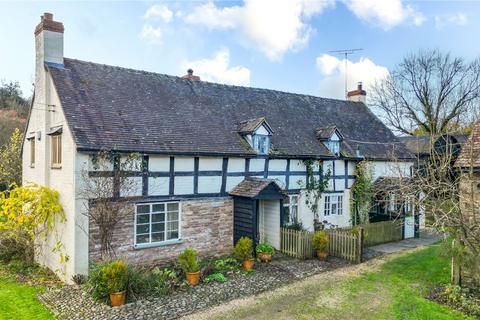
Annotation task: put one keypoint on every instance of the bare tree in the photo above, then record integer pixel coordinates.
(429, 92)
(450, 196)
(109, 191)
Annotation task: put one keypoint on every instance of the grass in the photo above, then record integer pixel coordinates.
(19, 300)
(395, 289)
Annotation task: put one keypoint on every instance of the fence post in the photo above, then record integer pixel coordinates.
(359, 250)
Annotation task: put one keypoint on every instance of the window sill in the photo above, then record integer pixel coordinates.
(159, 244)
(32, 166)
(56, 167)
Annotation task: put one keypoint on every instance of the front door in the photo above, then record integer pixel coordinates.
(269, 222)
(409, 227)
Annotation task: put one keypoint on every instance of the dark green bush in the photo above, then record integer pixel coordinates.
(225, 265)
(106, 278)
(295, 225)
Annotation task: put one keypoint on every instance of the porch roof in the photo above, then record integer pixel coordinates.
(258, 188)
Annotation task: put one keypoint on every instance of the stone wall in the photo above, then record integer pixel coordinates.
(206, 225)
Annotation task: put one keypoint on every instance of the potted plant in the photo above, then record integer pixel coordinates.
(243, 251)
(188, 262)
(320, 244)
(265, 252)
(116, 276)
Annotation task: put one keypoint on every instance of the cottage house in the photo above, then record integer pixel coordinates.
(219, 161)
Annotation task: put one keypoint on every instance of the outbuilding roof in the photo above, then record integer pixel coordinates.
(256, 188)
(113, 108)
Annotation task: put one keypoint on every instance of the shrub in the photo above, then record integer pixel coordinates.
(19, 247)
(320, 241)
(106, 278)
(218, 277)
(225, 265)
(151, 283)
(295, 225)
(79, 279)
(265, 248)
(187, 260)
(243, 249)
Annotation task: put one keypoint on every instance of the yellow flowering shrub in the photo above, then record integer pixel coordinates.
(30, 210)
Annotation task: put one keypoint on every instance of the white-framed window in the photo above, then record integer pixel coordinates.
(334, 146)
(261, 143)
(333, 204)
(290, 208)
(157, 222)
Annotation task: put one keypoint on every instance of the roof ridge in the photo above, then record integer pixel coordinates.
(212, 83)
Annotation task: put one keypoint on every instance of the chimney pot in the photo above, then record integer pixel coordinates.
(48, 16)
(190, 76)
(358, 95)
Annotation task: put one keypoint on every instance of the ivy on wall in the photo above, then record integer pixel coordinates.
(362, 199)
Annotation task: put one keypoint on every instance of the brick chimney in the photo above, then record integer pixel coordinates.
(190, 76)
(49, 40)
(358, 95)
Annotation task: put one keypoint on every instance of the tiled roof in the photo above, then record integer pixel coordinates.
(423, 144)
(250, 125)
(113, 108)
(470, 154)
(252, 187)
(325, 133)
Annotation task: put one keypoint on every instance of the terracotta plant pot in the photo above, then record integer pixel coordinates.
(265, 257)
(322, 255)
(248, 264)
(117, 298)
(193, 278)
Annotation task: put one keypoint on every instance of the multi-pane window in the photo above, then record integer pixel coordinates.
(57, 151)
(32, 152)
(157, 222)
(261, 143)
(290, 209)
(333, 205)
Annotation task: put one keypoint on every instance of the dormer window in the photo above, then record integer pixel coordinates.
(261, 143)
(331, 138)
(257, 133)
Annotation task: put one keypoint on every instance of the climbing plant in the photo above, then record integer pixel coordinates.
(362, 199)
(108, 197)
(315, 185)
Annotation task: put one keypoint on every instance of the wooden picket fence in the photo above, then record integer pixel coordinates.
(344, 244)
(382, 232)
(295, 243)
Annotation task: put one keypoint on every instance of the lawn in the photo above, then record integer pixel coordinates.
(394, 289)
(19, 301)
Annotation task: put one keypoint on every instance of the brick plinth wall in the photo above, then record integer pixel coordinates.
(206, 225)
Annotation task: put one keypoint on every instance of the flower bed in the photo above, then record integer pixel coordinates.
(71, 302)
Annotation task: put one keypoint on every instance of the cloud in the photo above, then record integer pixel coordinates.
(159, 11)
(151, 34)
(273, 26)
(385, 13)
(333, 70)
(458, 19)
(218, 69)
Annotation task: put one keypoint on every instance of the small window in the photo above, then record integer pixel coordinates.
(261, 143)
(157, 222)
(334, 147)
(32, 152)
(290, 209)
(333, 205)
(57, 151)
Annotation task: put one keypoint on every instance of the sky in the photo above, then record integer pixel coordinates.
(276, 44)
